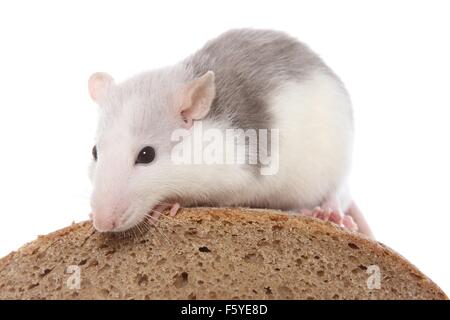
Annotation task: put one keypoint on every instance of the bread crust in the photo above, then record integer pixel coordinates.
(65, 246)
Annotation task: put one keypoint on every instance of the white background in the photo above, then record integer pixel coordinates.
(394, 57)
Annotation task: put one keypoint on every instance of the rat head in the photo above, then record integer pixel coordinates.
(131, 169)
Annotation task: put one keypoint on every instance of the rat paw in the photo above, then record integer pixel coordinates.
(174, 209)
(161, 209)
(335, 216)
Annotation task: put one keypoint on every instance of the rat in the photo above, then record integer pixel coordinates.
(247, 80)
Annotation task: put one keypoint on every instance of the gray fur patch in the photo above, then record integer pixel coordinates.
(249, 64)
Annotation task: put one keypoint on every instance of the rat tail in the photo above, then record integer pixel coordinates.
(357, 215)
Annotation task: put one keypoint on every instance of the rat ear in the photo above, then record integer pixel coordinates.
(98, 83)
(197, 97)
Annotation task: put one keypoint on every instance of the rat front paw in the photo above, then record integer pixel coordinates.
(161, 209)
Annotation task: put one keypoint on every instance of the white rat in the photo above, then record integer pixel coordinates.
(245, 79)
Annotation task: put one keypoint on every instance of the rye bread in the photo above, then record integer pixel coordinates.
(211, 253)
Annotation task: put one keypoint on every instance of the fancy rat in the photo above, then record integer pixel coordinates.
(250, 81)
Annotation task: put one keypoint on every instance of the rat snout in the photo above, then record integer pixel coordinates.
(105, 223)
(107, 215)
(111, 195)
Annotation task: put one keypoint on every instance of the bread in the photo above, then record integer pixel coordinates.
(206, 253)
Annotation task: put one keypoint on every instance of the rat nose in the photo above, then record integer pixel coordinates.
(105, 223)
(107, 212)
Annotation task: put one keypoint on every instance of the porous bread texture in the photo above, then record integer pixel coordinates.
(207, 253)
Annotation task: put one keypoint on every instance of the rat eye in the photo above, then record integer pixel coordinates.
(146, 155)
(94, 153)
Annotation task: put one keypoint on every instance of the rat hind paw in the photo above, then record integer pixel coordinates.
(329, 214)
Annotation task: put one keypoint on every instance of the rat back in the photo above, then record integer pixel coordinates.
(269, 80)
(249, 65)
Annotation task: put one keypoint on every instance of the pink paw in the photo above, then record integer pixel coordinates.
(331, 215)
(159, 209)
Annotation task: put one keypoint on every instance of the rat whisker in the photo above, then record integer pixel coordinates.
(159, 231)
(161, 215)
(157, 239)
(140, 229)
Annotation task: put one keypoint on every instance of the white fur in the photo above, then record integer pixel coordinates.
(315, 123)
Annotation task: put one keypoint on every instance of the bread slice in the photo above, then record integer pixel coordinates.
(206, 253)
